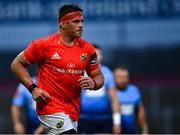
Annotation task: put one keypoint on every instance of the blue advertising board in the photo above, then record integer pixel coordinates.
(44, 10)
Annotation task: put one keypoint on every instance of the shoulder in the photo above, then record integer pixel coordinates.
(106, 69)
(50, 37)
(134, 88)
(85, 44)
(44, 40)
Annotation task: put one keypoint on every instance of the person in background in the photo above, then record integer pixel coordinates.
(99, 107)
(132, 108)
(23, 100)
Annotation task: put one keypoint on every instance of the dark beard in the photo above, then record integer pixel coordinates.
(122, 88)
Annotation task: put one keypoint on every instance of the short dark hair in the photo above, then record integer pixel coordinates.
(68, 8)
(122, 67)
(96, 46)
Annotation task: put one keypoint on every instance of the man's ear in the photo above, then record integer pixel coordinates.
(63, 25)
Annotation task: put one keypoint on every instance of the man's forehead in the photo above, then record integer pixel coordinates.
(121, 71)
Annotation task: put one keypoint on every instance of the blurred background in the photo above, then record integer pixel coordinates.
(144, 35)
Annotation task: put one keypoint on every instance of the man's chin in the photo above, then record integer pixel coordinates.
(122, 86)
(79, 33)
(78, 36)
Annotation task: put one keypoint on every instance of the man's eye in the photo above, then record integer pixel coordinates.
(76, 21)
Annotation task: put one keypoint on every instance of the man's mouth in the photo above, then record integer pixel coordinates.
(79, 31)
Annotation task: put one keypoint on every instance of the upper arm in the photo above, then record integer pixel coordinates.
(21, 59)
(141, 109)
(140, 106)
(110, 83)
(19, 64)
(112, 92)
(33, 53)
(93, 67)
(138, 96)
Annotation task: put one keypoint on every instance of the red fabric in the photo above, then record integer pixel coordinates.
(71, 16)
(60, 67)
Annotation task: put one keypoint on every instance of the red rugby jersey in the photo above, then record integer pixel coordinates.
(59, 68)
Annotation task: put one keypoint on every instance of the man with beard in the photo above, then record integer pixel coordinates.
(132, 108)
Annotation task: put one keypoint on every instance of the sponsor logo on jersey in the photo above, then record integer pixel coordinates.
(71, 65)
(55, 56)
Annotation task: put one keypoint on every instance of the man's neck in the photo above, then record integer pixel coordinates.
(67, 40)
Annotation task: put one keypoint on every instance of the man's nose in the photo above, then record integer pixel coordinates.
(80, 24)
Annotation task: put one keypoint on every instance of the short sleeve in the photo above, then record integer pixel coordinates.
(19, 98)
(109, 80)
(93, 63)
(34, 51)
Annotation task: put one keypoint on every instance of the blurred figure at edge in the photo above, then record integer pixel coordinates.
(99, 107)
(23, 100)
(132, 108)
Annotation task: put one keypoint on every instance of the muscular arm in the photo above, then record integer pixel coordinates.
(98, 77)
(141, 117)
(94, 82)
(115, 107)
(18, 125)
(114, 100)
(19, 68)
